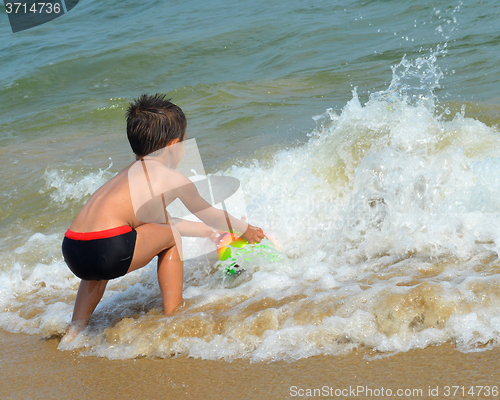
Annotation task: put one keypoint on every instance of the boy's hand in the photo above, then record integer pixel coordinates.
(253, 234)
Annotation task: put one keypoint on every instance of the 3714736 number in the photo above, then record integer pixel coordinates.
(35, 8)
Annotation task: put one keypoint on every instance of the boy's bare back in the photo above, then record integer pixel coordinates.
(109, 207)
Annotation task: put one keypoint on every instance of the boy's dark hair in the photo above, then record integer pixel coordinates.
(152, 122)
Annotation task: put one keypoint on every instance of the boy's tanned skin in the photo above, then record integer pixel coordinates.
(113, 206)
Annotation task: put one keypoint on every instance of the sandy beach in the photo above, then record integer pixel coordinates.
(32, 367)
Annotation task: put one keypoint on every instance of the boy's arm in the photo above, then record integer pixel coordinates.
(189, 228)
(187, 192)
(194, 229)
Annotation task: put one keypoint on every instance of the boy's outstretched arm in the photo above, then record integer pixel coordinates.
(194, 229)
(199, 229)
(187, 192)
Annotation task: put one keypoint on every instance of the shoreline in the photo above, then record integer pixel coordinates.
(32, 367)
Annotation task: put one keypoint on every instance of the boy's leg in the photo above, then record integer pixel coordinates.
(170, 278)
(88, 296)
(165, 242)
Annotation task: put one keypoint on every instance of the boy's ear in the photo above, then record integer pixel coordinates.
(173, 141)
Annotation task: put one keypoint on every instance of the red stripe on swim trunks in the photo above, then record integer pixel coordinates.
(120, 230)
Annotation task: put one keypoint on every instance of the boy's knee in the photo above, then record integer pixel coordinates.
(177, 237)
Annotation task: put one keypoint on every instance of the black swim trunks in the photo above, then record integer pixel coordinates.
(94, 256)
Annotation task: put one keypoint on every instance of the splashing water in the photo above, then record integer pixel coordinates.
(385, 219)
(68, 188)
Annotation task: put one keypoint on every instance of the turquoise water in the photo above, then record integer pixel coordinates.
(271, 65)
(255, 80)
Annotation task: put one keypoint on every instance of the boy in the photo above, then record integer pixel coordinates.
(124, 224)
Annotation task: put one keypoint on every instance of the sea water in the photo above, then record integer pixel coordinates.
(365, 137)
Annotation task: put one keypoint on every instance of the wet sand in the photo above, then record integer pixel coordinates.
(33, 368)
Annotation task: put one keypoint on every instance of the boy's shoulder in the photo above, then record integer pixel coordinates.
(156, 172)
